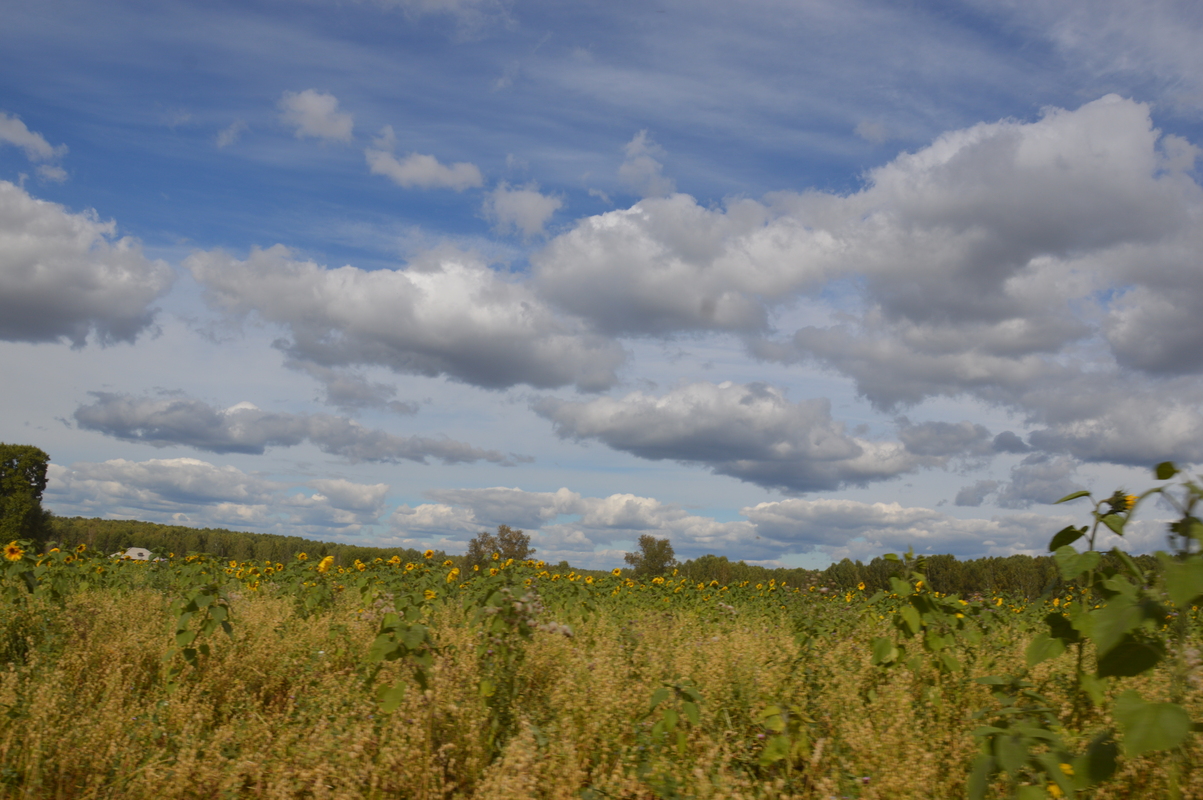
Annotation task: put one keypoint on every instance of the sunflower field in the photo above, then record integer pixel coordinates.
(197, 677)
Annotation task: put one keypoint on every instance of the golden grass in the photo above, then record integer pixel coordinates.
(282, 711)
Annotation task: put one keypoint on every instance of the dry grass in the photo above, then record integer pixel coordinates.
(281, 711)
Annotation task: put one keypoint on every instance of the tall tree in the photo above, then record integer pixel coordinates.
(22, 481)
(507, 543)
(655, 556)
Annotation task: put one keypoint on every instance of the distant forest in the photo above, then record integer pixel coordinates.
(1017, 575)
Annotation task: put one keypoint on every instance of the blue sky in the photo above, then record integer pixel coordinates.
(782, 281)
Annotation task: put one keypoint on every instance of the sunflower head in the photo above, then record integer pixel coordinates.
(13, 551)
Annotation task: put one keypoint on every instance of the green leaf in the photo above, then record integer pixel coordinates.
(1165, 470)
(414, 637)
(658, 697)
(1149, 727)
(1042, 648)
(1115, 523)
(1097, 764)
(1059, 627)
(1073, 496)
(1072, 563)
(1066, 536)
(979, 778)
(671, 717)
(1114, 621)
(950, 662)
(390, 697)
(487, 687)
(1095, 688)
(1184, 581)
(691, 712)
(901, 587)
(884, 651)
(184, 638)
(1010, 752)
(775, 749)
(910, 618)
(1130, 657)
(1030, 793)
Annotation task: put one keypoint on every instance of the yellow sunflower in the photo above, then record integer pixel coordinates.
(13, 551)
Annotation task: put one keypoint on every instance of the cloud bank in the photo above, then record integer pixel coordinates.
(243, 428)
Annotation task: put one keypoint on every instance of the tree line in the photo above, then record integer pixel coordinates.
(23, 479)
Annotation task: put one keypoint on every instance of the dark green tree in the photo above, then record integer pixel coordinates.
(507, 543)
(655, 556)
(22, 481)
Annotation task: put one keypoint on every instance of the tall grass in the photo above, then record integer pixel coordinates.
(281, 709)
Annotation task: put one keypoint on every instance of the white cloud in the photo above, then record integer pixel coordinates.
(243, 428)
(351, 391)
(192, 492)
(450, 315)
(65, 275)
(748, 432)
(14, 132)
(417, 170)
(585, 530)
(641, 171)
(230, 134)
(50, 172)
(1048, 267)
(524, 208)
(1039, 478)
(315, 114)
(847, 528)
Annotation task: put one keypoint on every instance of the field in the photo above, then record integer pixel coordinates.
(199, 678)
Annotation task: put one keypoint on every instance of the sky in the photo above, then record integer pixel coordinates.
(787, 282)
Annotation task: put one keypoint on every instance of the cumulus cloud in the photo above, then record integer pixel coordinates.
(68, 276)
(590, 531)
(945, 439)
(748, 432)
(523, 209)
(851, 529)
(315, 114)
(1039, 478)
(974, 495)
(243, 428)
(189, 491)
(1047, 266)
(449, 316)
(564, 524)
(641, 171)
(35, 146)
(349, 390)
(417, 170)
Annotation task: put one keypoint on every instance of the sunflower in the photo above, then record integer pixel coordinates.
(430, 594)
(493, 570)
(302, 557)
(448, 563)
(616, 571)
(428, 554)
(13, 551)
(325, 563)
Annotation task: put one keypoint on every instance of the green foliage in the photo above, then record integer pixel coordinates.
(22, 481)
(507, 543)
(655, 557)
